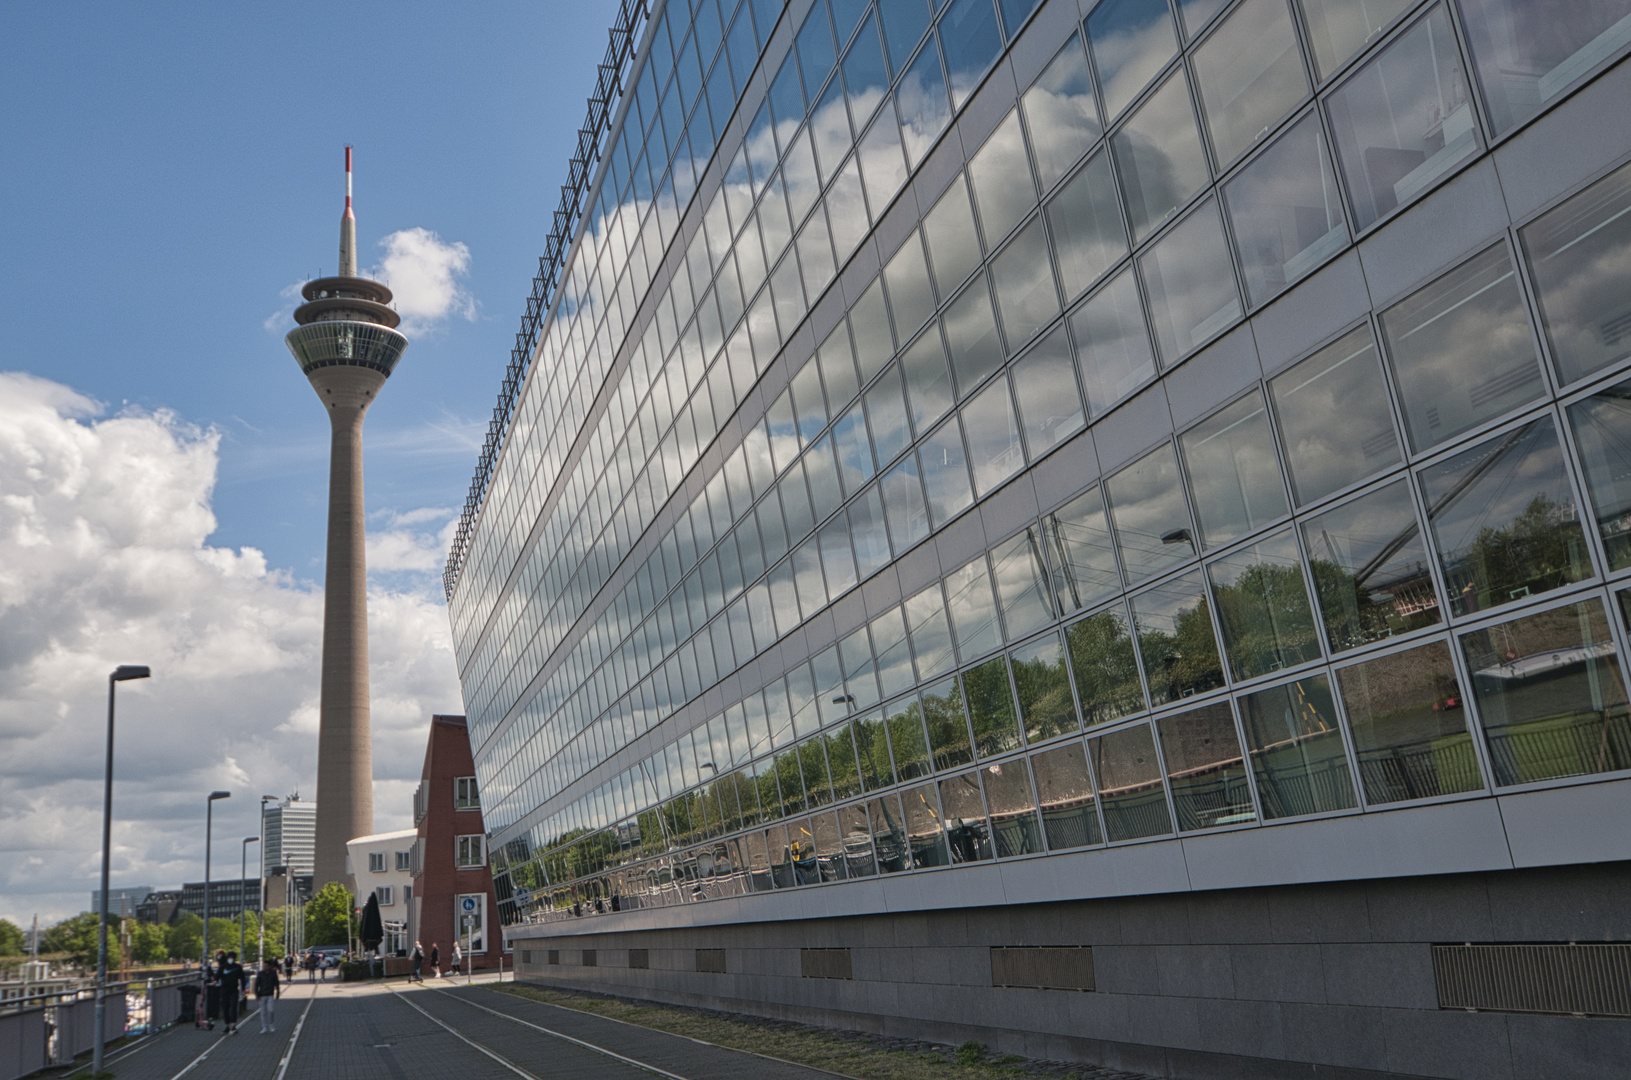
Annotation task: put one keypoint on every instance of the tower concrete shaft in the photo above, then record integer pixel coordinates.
(347, 345)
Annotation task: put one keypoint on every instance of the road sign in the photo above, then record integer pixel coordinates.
(468, 903)
(523, 896)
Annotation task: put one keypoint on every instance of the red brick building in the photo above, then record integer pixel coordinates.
(452, 885)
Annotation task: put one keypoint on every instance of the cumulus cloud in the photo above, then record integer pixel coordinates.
(105, 559)
(415, 541)
(426, 273)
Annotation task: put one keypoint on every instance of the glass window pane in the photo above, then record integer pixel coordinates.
(1370, 569)
(903, 26)
(815, 255)
(948, 725)
(811, 404)
(815, 50)
(883, 164)
(846, 212)
(954, 244)
(971, 40)
(887, 414)
(866, 526)
(925, 827)
(1148, 512)
(1079, 545)
(1286, 212)
(1001, 175)
(1197, 13)
(1061, 114)
(925, 110)
(1335, 423)
(869, 324)
(872, 746)
(991, 707)
(1131, 41)
(866, 78)
(1234, 476)
(800, 176)
(1337, 29)
(1602, 430)
(1191, 285)
(1085, 220)
(1250, 75)
(1263, 607)
(1295, 742)
(1504, 521)
(1065, 793)
(903, 503)
(1159, 157)
(911, 297)
(1582, 279)
(1205, 769)
(1046, 709)
(993, 437)
(928, 380)
(1404, 121)
(966, 831)
(945, 473)
(1550, 695)
(1528, 53)
(1022, 584)
(837, 361)
(1409, 726)
(888, 838)
(1014, 827)
(930, 633)
(1130, 789)
(1175, 640)
(1113, 350)
(971, 336)
(1026, 293)
(1461, 349)
(1050, 404)
(973, 610)
(906, 741)
(894, 654)
(836, 558)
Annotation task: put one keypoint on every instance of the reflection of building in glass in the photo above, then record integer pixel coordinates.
(997, 473)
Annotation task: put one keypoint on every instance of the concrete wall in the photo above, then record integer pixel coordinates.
(1323, 980)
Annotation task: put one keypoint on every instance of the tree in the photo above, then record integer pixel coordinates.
(148, 944)
(11, 938)
(329, 919)
(76, 937)
(184, 937)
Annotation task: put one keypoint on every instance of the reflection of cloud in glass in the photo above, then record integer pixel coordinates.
(1112, 345)
(1191, 285)
(1151, 520)
(1159, 156)
(1131, 39)
(924, 108)
(1061, 114)
(1001, 175)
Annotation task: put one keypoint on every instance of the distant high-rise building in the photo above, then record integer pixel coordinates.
(121, 902)
(347, 345)
(995, 499)
(289, 836)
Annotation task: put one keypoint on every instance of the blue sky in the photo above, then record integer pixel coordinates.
(168, 172)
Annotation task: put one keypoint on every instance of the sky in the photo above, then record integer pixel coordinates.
(170, 174)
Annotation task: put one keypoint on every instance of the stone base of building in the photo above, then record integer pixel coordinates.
(1405, 977)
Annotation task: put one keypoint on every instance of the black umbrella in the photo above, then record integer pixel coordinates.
(373, 931)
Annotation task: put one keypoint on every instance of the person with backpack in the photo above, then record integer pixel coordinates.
(266, 993)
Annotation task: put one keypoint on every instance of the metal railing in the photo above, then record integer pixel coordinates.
(53, 1029)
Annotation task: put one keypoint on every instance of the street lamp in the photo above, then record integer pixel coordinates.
(260, 882)
(243, 881)
(123, 673)
(209, 826)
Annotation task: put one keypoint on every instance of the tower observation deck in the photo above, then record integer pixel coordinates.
(347, 345)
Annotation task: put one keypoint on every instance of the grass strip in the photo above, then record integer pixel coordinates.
(852, 1054)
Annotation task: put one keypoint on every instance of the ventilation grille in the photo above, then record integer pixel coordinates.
(825, 964)
(1051, 967)
(639, 958)
(711, 960)
(554, 956)
(591, 958)
(1565, 980)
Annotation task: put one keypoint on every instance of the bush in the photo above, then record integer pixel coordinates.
(970, 1053)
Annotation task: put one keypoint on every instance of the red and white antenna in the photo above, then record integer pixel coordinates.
(348, 227)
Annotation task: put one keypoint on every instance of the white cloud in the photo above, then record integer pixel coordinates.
(425, 274)
(417, 540)
(104, 559)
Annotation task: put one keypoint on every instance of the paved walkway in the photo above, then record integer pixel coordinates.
(359, 1031)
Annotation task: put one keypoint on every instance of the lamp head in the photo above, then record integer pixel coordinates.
(252, 839)
(125, 672)
(219, 795)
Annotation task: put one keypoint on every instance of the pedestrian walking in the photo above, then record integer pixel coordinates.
(212, 989)
(436, 959)
(266, 994)
(311, 967)
(418, 964)
(458, 958)
(232, 984)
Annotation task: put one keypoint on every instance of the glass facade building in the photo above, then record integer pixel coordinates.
(988, 431)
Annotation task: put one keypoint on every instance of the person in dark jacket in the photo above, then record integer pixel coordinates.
(266, 994)
(436, 960)
(232, 988)
(212, 989)
(418, 963)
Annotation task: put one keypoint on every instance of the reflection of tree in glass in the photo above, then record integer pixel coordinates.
(1266, 620)
(948, 727)
(1542, 549)
(991, 707)
(1101, 655)
(1183, 661)
(1044, 692)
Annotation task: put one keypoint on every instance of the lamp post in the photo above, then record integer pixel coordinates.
(260, 884)
(123, 673)
(209, 827)
(243, 880)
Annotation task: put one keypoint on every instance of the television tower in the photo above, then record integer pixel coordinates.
(347, 345)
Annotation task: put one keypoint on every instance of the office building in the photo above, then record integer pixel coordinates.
(289, 835)
(1100, 528)
(452, 885)
(226, 898)
(122, 903)
(347, 345)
